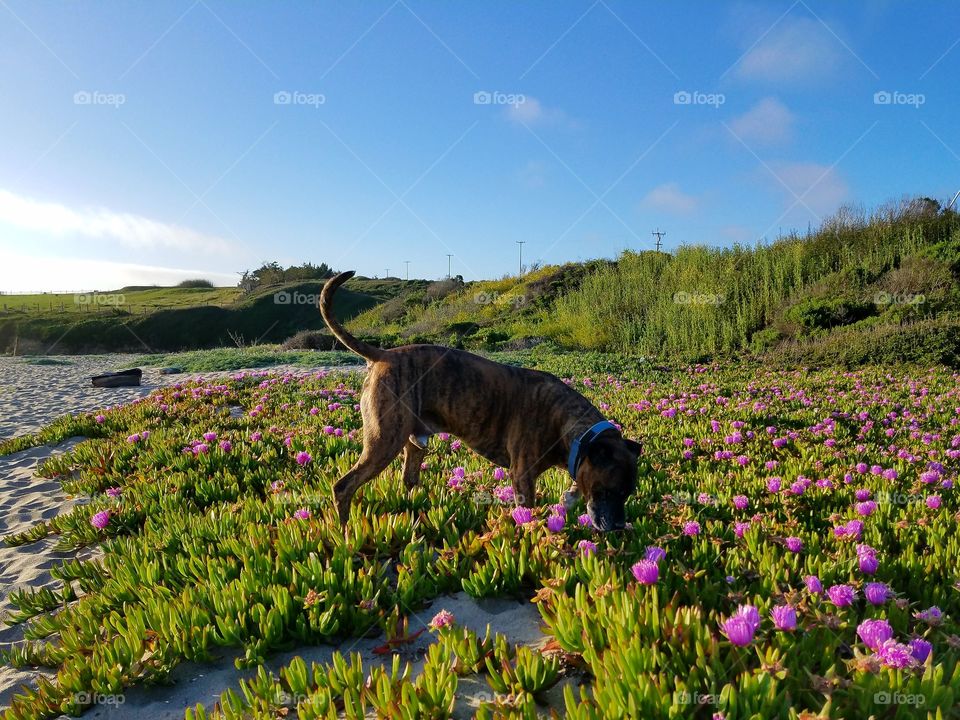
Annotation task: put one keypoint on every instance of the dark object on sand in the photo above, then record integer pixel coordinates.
(123, 378)
(170, 371)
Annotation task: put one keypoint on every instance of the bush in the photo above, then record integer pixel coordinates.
(310, 340)
(195, 283)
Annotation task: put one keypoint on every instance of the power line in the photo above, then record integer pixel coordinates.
(659, 236)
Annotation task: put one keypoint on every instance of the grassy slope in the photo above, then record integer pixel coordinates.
(884, 288)
(181, 319)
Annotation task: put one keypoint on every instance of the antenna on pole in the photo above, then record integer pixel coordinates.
(658, 235)
(449, 265)
(520, 243)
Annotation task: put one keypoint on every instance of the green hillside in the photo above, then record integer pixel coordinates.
(172, 319)
(884, 287)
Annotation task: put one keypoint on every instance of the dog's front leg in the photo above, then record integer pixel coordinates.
(413, 454)
(523, 479)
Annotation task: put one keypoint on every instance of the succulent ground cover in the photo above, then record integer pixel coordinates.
(793, 552)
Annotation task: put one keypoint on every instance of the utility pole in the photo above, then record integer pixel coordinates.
(407, 263)
(658, 235)
(520, 243)
(388, 273)
(449, 265)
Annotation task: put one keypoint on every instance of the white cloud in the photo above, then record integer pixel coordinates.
(532, 112)
(133, 231)
(24, 273)
(670, 198)
(767, 123)
(797, 49)
(821, 187)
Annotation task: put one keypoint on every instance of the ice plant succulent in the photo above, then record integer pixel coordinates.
(646, 572)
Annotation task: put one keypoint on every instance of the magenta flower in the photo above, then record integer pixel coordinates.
(876, 593)
(101, 519)
(586, 547)
(522, 515)
(200, 449)
(868, 564)
(654, 554)
(209, 436)
(874, 632)
(256, 437)
(555, 523)
(896, 655)
(784, 617)
(740, 502)
(441, 620)
(133, 438)
(740, 528)
(585, 521)
(302, 514)
(647, 572)
(920, 649)
(794, 544)
(933, 501)
(774, 484)
(113, 492)
(931, 616)
(739, 630)
(749, 613)
(303, 457)
(691, 528)
(100, 419)
(499, 474)
(841, 595)
(504, 493)
(226, 445)
(866, 509)
(862, 494)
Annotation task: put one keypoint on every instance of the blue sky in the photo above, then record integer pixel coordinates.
(149, 142)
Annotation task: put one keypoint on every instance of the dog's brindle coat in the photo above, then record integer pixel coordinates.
(522, 419)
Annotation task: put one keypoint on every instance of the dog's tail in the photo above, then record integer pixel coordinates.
(361, 348)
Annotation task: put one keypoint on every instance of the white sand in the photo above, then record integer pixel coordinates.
(31, 396)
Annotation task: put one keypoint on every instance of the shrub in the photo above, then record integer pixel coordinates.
(195, 283)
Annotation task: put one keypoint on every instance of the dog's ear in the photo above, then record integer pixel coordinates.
(634, 447)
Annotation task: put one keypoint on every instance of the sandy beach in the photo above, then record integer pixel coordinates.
(32, 395)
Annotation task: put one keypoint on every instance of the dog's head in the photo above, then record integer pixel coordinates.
(606, 478)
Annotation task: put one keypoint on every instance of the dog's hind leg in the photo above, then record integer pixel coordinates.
(413, 455)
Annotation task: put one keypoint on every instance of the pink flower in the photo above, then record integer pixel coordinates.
(585, 521)
(499, 474)
(100, 419)
(101, 519)
(133, 438)
(813, 584)
(874, 632)
(555, 523)
(522, 515)
(504, 493)
(441, 620)
(784, 617)
(302, 514)
(654, 554)
(209, 436)
(226, 445)
(896, 655)
(841, 595)
(303, 457)
(794, 544)
(876, 593)
(113, 492)
(740, 502)
(646, 572)
(256, 437)
(691, 528)
(739, 630)
(586, 547)
(933, 501)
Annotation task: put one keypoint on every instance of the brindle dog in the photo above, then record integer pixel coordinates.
(525, 420)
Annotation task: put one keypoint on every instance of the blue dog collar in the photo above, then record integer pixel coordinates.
(581, 443)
